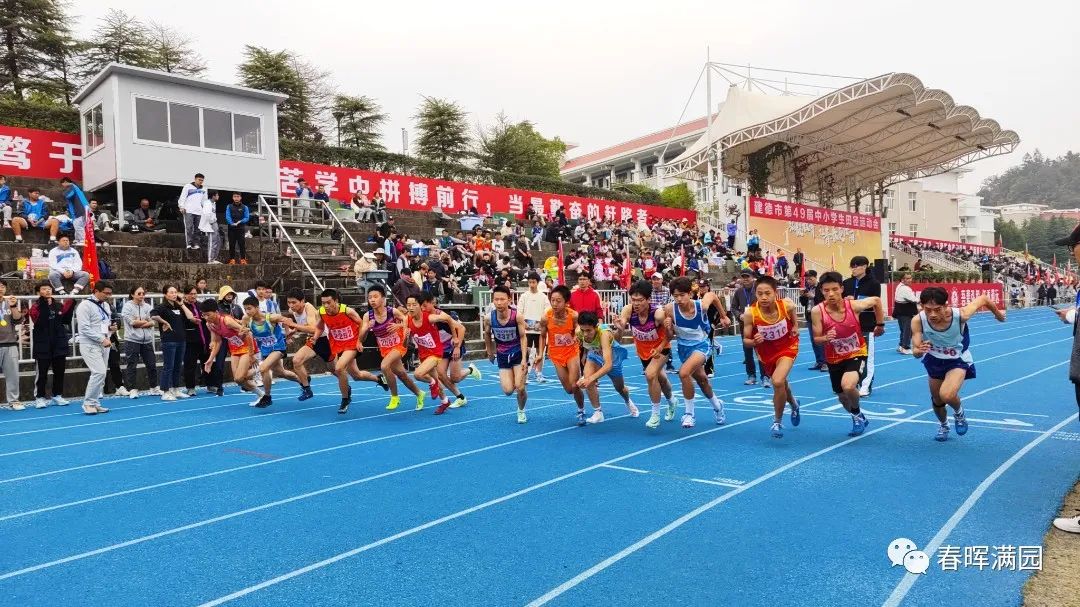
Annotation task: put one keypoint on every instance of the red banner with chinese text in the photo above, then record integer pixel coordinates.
(40, 154)
(946, 244)
(793, 211)
(960, 293)
(423, 194)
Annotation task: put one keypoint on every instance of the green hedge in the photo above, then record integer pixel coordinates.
(29, 115)
(407, 165)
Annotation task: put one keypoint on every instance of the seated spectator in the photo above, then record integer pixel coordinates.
(35, 214)
(101, 219)
(362, 208)
(144, 218)
(65, 263)
(522, 254)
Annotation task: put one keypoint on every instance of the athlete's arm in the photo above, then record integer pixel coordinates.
(918, 346)
(866, 303)
(457, 331)
(791, 314)
(542, 350)
(659, 317)
(605, 349)
(980, 302)
(215, 346)
(243, 329)
(750, 338)
(718, 303)
(669, 322)
(353, 315)
(489, 344)
(521, 325)
(817, 327)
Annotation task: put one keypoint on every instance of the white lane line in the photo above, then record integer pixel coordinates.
(458, 514)
(909, 579)
(627, 469)
(682, 520)
(673, 476)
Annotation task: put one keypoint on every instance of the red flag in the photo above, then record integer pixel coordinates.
(89, 255)
(562, 266)
(682, 262)
(624, 282)
(1055, 268)
(802, 274)
(832, 265)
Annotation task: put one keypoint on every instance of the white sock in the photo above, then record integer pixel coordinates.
(689, 406)
(656, 408)
(669, 401)
(959, 411)
(716, 404)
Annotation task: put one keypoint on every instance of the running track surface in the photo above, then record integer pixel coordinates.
(207, 501)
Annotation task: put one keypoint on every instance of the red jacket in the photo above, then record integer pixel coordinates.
(587, 300)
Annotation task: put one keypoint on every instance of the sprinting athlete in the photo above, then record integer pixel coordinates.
(557, 330)
(341, 324)
(420, 326)
(604, 355)
(388, 324)
(940, 337)
(835, 324)
(646, 325)
(270, 339)
(505, 342)
(451, 371)
(770, 328)
(686, 322)
(225, 328)
(304, 324)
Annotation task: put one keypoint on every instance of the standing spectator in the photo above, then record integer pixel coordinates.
(190, 202)
(66, 264)
(5, 201)
(172, 318)
(811, 296)
(905, 307)
(50, 343)
(860, 286)
(753, 243)
(95, 325)
(585, 299)
(744, 296)
(732, 230)
(781, 264)
(139, 341)
(303, 202)
(798, 259)
(237, 216)
(209, 227)
(532, 305)
(76, 208)
(1051, 295)
(35, 214)
(198, 343)
(10, 320)
(114, 380)
(1041, 294)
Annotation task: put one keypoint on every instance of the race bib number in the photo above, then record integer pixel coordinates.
(564, 339)
(342, 334)
(650, 335)
(235, 341)
(504, 334)
(944, 351)
(774, 332)
(388, 341)
(845, 345)
(423, 340)
(267, 341)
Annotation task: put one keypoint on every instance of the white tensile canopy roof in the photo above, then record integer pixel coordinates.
(881, 130)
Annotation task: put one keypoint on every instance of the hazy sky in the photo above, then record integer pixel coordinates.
(597, 73)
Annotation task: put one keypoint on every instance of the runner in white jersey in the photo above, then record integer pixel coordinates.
(939, 336)
(532, 304)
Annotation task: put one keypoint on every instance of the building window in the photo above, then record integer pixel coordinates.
(892, 227)
(151, 120)
(963, 222)
(94, 129)
(890, 198)
(187, 125)
(913, 230)
(912, 201)
(217, 130)
(184, 125)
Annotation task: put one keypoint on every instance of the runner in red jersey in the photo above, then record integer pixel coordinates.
(420, 326)
(341, 325)
(226, 329)
(769, 326)
(835, 324)
(388, 324)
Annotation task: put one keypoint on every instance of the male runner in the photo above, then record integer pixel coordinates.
(341, 325)
(450, 367)
(420, 326)
(769, 326)
(505, 342)
(686, 323)
(304, 324)
(388, 324)
(270, 339)
(604, 355)
(238, 339)
(646, 325)
(557, 330)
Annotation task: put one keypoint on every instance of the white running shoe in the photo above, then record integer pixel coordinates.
(179, 393)
(687, 420)
(864, 392)
(719, 413)
(122, 391)
(632, 408)
(41, 403)
(654, 421)
(540, 379)
(155, 391)
(597, 417)
(133, 394)
(168, 396)
(60, 400)
(1069, 525)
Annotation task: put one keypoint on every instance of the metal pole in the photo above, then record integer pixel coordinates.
(708, 131)
(404, 142)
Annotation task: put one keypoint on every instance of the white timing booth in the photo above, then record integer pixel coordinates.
(149, 127)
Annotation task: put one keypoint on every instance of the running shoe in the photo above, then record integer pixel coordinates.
(382, 383)
(168, 396)
(581, 417)
(669, 415)
(777, 430)
(766, 383)
(750, 381)
(60, 400)
(597, 417)
(459, 402)
(1069, 525)
(443, 406)
(133, 394)
(942, 433)
(632, 408)
(264, 402)
(961, 423)
(858, 425)
(305, 393)
(540, 379)
(654, 421)
(719, 413)
(521, 416)
(688, 420)
(474, 372)
(796, 415)
(420, 401)
(180, 393)
(41, 403)
(394, 402)
(122, 391)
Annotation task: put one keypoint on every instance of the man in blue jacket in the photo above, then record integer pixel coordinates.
(35, 214)
(237, 216)
(76, 208)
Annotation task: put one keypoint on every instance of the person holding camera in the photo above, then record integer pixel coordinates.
(95, 322)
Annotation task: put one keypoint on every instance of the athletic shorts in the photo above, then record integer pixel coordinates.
(850, 365)
(936, 367)
(321, 347)
(770, 367)
(239, 350)
(448, 352)
(402, 348)
(685, 351)
(618, 355)
(645, 362)
(268, 352)
(508, 360)
(563, 355)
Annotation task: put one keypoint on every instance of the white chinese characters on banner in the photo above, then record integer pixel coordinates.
(328, 180)
(517, 204)
(359, 185)
(469, 198)
(15, 151)
(390, 190)
(289, 178)
(418, 194)
(69, 153)
(574, 210)
(444, 197)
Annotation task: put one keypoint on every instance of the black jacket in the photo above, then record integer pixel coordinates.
(52, 327)
(861, 289)
(808, 303)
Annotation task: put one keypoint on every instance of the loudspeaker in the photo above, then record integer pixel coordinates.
(880, 270)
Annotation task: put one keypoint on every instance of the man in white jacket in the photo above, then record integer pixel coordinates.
(190, 202)
(65, 263)
(208, 225)
(94, 318)
(532, 304)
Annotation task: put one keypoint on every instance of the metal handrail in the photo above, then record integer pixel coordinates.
(341, 225)
(274, 218)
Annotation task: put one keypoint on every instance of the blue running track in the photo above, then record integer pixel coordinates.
(207, 501)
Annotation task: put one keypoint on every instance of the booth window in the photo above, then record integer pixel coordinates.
(93, 129)
(151, 120)
(247, 134)
(184, 124)
(217, 130)
(187, 125)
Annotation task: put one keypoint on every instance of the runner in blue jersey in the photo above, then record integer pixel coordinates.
(939, 336)
(505, 343)
(269, 337)
(687, 324)
(604, 355)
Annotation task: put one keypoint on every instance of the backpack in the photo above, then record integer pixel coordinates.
(105, 271)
